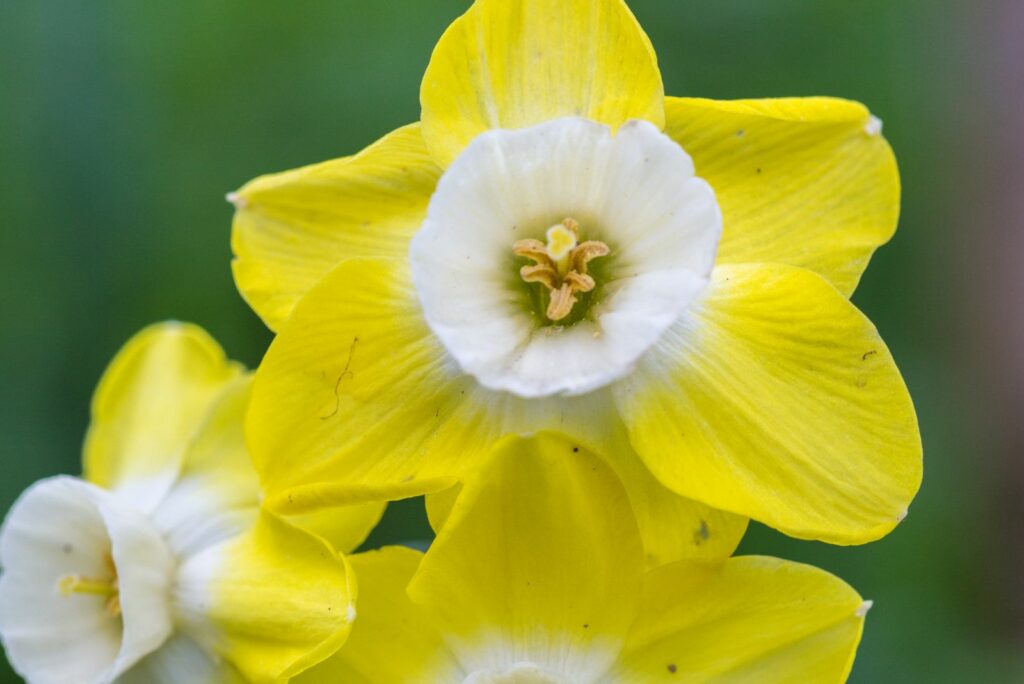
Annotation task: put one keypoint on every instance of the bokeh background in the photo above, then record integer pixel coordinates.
(124, 123)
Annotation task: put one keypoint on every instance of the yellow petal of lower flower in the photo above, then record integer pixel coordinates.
(750, 619)
(540, 562)
(808, 182)
(392, 642)
(273, 601)
(217, 492)
(356, 399)
(151, 400)
(672, 526)
(291, 228)
(345, 527)
(516, 64)
(777, 399)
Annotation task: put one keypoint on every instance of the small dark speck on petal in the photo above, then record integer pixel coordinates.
(672, 668)
(740, 133)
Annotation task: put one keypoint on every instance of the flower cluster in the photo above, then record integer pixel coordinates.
(598, 328)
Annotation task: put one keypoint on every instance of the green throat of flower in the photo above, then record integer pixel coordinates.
(560, 266)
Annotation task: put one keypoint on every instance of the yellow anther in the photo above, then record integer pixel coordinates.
(560, 265)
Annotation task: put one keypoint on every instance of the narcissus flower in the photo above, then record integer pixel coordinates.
(158, 565)
(558, 246)
(538, 577)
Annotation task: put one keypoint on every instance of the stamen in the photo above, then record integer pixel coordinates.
(76, 584)
(91, 586)
(560, 265)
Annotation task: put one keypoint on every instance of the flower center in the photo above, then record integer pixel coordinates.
(632, 245)
(560, 265)
(92, 586)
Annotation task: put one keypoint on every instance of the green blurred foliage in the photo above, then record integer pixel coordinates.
(123, 124)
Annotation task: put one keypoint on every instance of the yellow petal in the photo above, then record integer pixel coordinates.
(777, 399)
(807, 182)
(149, 403)
(392, 641)
(273, 601)
(540, 561)
(356, 400)
(345, 527)
(751, 619)
(516, 64)
(672, 526)
(217, 492)
(291, 228)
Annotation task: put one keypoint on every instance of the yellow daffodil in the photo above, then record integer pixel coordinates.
(158, 565)
(539, 578)
(556, 245)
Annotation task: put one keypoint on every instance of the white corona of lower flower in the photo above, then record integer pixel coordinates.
(553, 257)
(86, 586)
(90, 581)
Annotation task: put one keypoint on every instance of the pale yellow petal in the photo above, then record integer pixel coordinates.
(808, 182)
(392, 641)
(777, 399)
(540, 562)
(751, 619)
(273, 601)
(151, 400)
(291, 228)
(515, 64)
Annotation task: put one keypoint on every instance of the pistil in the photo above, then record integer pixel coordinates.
(560, 265)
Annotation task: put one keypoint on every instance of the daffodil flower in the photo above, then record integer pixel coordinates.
(158, 565)
(539, 578)
(556, 245)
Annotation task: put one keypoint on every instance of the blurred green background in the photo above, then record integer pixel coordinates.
(123, 124)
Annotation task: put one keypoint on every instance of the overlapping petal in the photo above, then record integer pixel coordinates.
(515, 64)
(808, 182)
(752, 619)
(540, 561)
(356, 401)
(673, 527)
(784, 404)
(273, 601)
(291, 228)
(392, 640)
(152, 398)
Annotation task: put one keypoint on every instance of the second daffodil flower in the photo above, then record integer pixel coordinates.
(538, 578)
(157, 567)
(557, 245)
